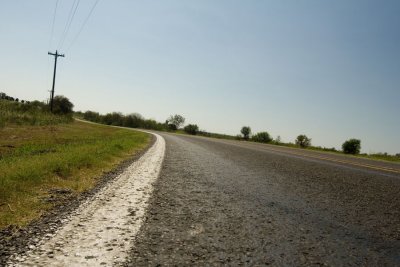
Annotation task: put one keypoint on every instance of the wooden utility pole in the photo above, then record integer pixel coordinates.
(56, 55)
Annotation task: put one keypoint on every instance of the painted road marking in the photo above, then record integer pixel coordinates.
(388, 169)
(101, 230)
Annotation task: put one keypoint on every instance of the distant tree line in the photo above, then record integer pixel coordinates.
(61, 106)
(4, 96)
(175, 123)
(351, 146)
(136, 120)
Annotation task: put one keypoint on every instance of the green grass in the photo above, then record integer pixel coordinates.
(36, 159)
(35, 113)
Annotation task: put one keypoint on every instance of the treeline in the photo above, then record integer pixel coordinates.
(133, 120)
(176, 122)
(351, 146)
(4, 96)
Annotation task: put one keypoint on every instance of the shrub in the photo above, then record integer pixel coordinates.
(133, 120)
(303, 141)
(262, 137)
(91, 116)
(191, 129)
(352, 146)
(114, 118)
(62, 105)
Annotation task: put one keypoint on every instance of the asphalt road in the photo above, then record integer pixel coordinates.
(235, 203)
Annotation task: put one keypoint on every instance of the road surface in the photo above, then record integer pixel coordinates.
(233, 203)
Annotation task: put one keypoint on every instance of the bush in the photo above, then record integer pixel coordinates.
(262, 137)
(62, 105)
(246, 131)
(133, 120)
(171, 127)
(28, 113)
(191, 129)
(114, 118)
(91, 116)
(303, 141)
(352, 146)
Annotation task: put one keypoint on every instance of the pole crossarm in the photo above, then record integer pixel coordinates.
(56, 54)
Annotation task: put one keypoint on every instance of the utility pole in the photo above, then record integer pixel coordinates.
(56, 55)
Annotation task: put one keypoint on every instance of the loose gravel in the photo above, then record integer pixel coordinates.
(101, 230)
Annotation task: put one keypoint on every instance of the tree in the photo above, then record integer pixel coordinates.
(262, 137)
(62, 105)
(114, 118)
(91, 116)
(352, 146)
(191, 129)
(134, 120)
(175, 121)
(303, 141)
(246, 131)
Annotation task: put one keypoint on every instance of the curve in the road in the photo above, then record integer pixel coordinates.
(219, 203)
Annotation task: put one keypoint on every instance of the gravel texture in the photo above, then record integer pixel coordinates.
(69, 223)
(221, 204)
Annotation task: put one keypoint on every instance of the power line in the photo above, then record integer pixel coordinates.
(52, 26)
(83, 25)
(68, 25)
(50, 42)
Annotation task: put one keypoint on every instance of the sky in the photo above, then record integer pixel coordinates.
(327, 69)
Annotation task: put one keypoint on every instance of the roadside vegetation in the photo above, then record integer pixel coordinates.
(303, 141)
(41, 152)
(175, 123)
(16, 112)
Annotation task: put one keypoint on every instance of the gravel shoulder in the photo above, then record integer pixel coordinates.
(47, 242)
(219, 204)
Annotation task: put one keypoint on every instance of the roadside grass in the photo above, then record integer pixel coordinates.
(36, 159)
(34, 113)
(381, 156)
(378, 156)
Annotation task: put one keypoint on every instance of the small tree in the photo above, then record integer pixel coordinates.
(91, 116)
(134, 120)
(62, 105)
(191, 129)
(262, 137)
(246, 131)
(175, 121)
(352, 146)
(303, 141)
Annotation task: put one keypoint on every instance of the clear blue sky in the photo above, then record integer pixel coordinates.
(327, 69)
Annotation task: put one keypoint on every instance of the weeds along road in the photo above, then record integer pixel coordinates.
(222, 202)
